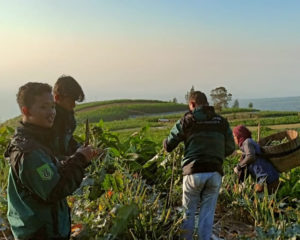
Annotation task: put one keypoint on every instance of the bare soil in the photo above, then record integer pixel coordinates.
(230, 224)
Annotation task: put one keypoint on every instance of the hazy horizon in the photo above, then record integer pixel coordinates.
(151, 49)
(278, 103)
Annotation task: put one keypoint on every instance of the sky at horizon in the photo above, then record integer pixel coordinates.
(151, 49)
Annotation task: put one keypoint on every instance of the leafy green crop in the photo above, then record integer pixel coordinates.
(133, 189)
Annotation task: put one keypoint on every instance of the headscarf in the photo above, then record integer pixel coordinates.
(241, 133)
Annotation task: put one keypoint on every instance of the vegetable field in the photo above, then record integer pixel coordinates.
(133, 189)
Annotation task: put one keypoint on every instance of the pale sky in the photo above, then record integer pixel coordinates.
(151, 49)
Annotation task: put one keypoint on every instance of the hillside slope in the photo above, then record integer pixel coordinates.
(124, 109)
(117, 110)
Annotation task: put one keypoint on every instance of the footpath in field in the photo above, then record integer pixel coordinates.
(279, 126)
(229, 226)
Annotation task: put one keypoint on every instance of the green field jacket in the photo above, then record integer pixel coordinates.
(62, 131)
(38, 185)
(207, 138)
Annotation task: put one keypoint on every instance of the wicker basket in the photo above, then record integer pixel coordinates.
(284, 156)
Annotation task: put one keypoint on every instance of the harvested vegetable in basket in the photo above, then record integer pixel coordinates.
(277, 142)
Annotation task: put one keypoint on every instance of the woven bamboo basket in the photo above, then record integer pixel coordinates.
(284, 156)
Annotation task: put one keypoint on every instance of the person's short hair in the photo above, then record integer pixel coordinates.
(198, 97)
(68, 87)
(27, 93)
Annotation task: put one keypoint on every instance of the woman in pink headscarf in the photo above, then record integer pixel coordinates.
(258, 167)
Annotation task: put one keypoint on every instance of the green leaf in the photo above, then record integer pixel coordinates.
(115, 152)
(155, 160)
(124, 215)
(107, 182)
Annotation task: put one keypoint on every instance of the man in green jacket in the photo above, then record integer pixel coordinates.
(208, 140)
(66, 92)
(38, 183)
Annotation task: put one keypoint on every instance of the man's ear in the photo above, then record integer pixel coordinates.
(25, 111)
(56, 97)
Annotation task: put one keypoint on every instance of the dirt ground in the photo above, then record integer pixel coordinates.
(229, 225)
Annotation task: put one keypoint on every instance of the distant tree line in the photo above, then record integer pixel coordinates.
(220, 98)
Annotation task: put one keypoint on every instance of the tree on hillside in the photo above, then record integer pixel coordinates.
(250, 105)
(236, 104)
(174, 100)
(220, 98)
(187, 95)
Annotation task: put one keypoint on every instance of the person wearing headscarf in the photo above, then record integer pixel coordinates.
(253, 162)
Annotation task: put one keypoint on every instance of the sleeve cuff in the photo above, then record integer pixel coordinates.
(79, 159)
(166, 146)
(239, 167)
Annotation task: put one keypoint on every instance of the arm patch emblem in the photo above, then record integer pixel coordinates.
(45, 172)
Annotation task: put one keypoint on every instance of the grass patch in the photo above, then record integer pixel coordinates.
(109, 102)
(121, 112)
(236, 110)
(266, 114)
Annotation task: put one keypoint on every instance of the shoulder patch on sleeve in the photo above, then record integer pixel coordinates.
(45, 172)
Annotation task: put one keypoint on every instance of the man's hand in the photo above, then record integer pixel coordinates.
(236, 171)
(165, 145)
(88, 152)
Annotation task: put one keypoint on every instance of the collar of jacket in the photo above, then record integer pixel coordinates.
(62, 111)
(203, 112)
(64, 119)
(40, 134)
